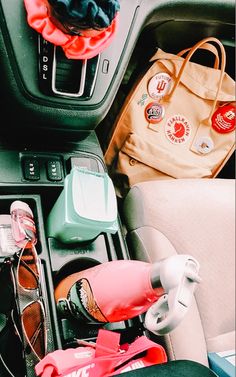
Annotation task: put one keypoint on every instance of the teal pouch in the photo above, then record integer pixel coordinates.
(86, 207)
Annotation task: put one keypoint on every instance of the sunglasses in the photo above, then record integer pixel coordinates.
(28, 271)
(33, 318)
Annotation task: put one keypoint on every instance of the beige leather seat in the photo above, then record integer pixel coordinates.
(195, 217)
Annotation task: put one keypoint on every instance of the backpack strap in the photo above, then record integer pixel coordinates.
(208, 47)
(187, 59)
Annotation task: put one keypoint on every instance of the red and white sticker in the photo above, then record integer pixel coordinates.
(154, 112)
(159, 85)
(177, 129)
(223, 119)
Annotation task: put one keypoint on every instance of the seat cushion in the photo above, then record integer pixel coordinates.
(196, 217)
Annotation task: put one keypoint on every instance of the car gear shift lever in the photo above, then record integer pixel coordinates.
(72, 25)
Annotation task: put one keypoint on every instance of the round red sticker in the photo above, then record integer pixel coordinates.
(154, 112)
(223, 119)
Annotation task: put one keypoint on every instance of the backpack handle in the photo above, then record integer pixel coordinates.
(187, 59)
(207, 47)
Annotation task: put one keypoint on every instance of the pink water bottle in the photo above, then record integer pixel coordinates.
(120, 290)
(109, 292)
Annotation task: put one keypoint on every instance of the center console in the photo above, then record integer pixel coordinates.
(37, 177)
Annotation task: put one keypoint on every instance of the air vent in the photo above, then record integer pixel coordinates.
(64, 77)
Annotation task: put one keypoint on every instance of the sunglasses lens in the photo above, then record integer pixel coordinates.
(33, 323)
(28, 269)
(33, 315)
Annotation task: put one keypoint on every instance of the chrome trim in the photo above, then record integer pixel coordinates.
(82, 80)
(95, 76)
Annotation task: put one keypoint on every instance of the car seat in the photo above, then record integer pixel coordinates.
(196, 217)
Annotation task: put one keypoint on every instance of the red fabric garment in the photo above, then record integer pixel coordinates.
(107, 358)
(75, 47)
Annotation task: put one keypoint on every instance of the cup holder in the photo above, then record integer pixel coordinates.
(81, 308)
(73, 266)
(29, 301)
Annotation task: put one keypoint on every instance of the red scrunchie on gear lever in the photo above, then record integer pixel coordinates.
(106, 358)
(76, 46)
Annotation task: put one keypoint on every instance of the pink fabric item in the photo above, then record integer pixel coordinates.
(75, 47)
(108, 358)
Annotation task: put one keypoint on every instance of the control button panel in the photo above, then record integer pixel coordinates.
(51, 168)
(31, 169)
(42, 167)
(54, 170)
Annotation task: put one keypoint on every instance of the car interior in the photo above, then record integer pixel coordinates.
(58, 115)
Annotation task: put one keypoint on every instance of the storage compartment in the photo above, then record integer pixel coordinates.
(27, 299)
(58, 260)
